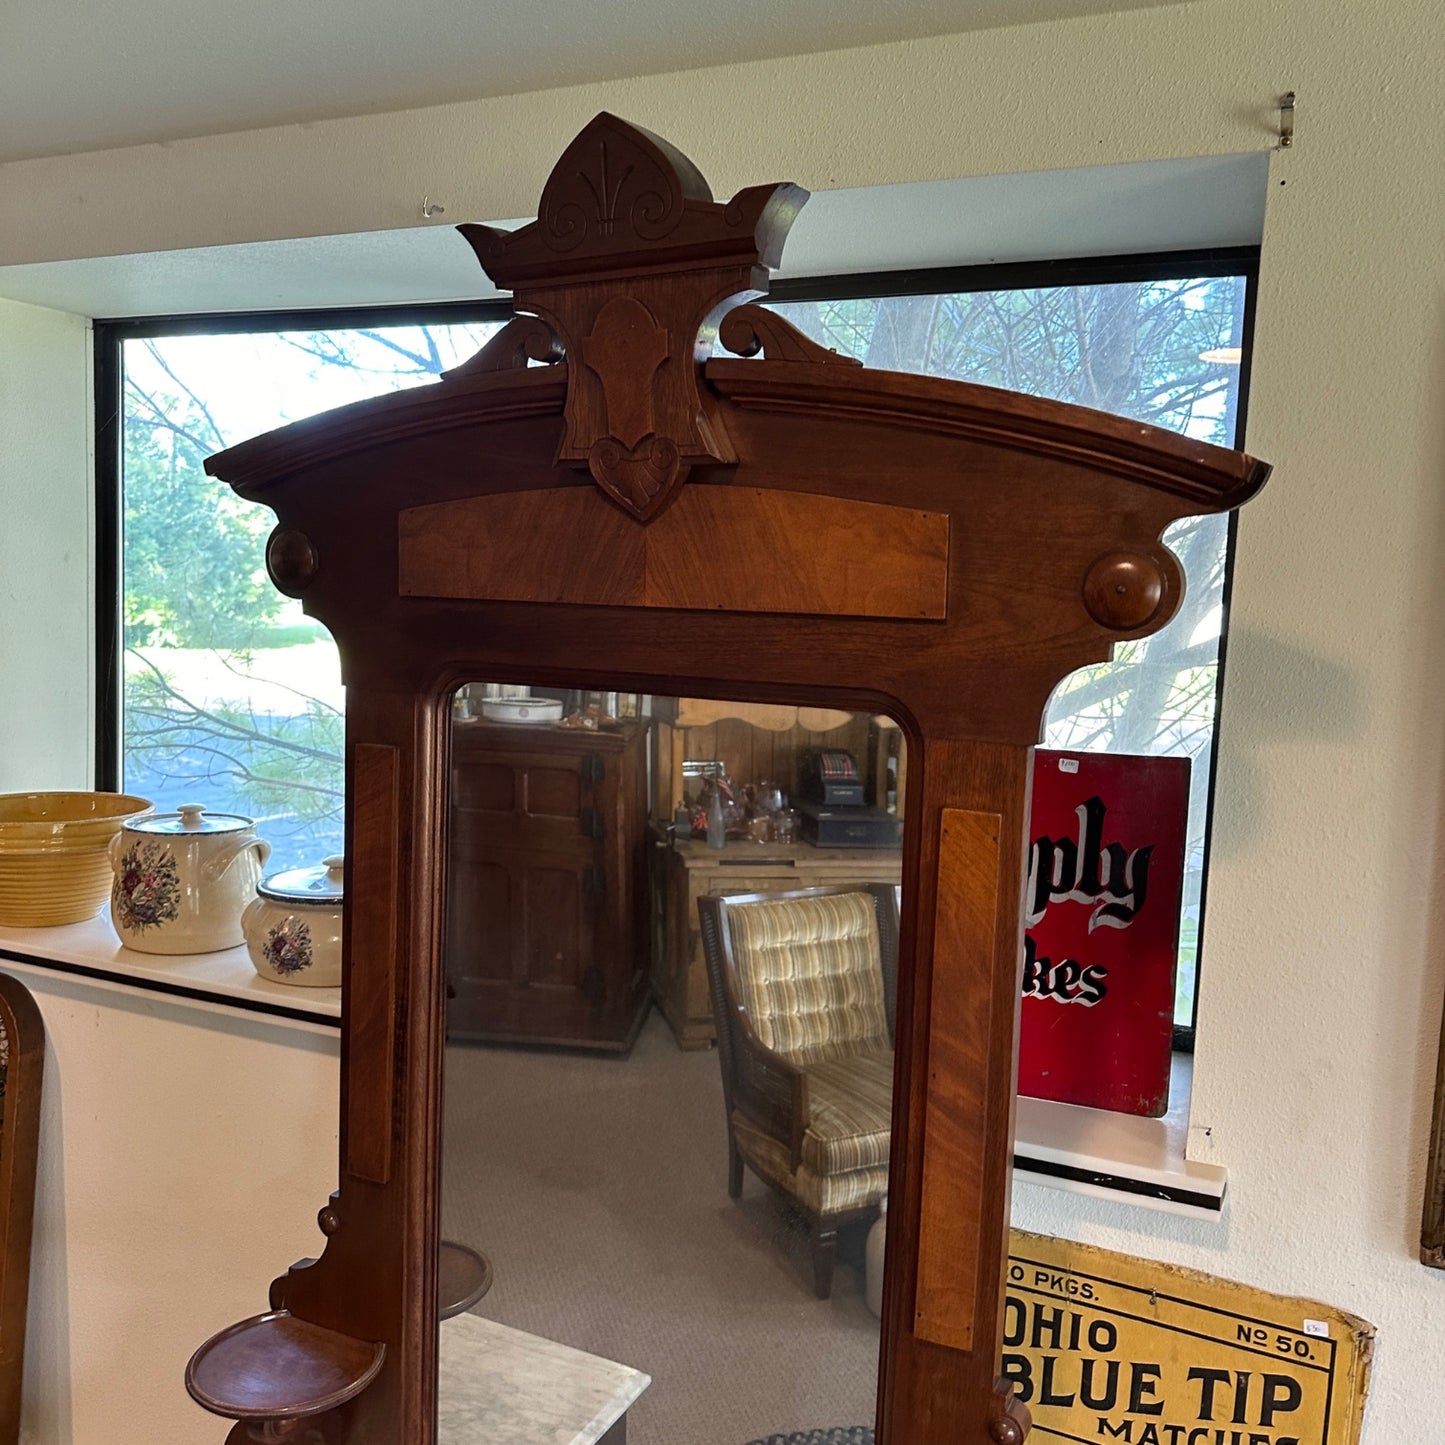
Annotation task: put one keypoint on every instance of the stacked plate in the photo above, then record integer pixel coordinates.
(54, 867)
(522, 709)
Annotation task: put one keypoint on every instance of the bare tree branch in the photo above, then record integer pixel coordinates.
(220, 440)
(228, 727)
(321, 703)
(163, 418)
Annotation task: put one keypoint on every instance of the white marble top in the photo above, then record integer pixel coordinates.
(506, 1387)
(226, 976)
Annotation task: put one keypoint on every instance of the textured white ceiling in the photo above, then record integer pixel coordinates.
(79, 75)
(1204, 201)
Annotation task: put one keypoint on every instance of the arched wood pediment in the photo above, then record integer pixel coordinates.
(788, 377)
(958, 525)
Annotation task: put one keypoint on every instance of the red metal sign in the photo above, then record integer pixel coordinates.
(1101, 920)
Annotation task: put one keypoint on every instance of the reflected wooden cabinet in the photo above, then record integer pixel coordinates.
(683, 872)
(546, 930)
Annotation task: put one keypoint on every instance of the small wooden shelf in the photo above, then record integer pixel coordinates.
(463, 1277)
(277, 1367)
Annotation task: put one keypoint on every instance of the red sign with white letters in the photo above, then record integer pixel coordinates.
(1101, 929)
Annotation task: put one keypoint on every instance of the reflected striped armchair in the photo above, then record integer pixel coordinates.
(803, 991)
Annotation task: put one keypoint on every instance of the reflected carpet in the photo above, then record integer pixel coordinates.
(597, 1186)
(849, 1435)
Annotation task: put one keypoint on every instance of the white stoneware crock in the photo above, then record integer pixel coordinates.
(522, 709)
(293, 927)
(182, 879)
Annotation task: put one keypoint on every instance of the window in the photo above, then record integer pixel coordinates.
(1164, 343)
(229, 695)
(222, 692)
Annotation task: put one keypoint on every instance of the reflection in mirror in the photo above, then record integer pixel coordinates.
(671, 944)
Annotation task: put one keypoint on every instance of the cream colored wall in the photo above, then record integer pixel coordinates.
(47, 687)
(1323, 979)
(1197, 80)
(184, 1153)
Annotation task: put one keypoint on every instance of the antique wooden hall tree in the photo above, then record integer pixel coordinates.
(600, 497)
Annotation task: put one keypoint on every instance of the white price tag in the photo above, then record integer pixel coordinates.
(1068, 765)
(1318, 1328)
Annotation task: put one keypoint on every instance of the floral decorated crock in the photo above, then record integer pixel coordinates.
(293, 928)
(182, 879)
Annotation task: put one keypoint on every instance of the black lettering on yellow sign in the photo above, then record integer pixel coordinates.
(1102, 1346)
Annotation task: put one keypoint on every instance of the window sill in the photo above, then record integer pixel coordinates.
(92, 950)
(1120, 1156)
(1061, 1146)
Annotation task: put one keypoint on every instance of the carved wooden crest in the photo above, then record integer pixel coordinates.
(632, 263)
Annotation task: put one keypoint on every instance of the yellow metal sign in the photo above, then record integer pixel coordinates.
(1106, 1347)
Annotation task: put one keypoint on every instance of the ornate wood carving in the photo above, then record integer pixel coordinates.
(622, 200)
(327, 1430)
(1124, 591)
(753, 330)
(291, 560)
(844, 538)
(522, 340)
(1013, 1422)
(736, 549)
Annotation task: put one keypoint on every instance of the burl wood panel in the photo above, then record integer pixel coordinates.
(732, 549)
(958, 1061)
(371, 899)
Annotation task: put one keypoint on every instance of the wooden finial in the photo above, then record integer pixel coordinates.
(632, 263)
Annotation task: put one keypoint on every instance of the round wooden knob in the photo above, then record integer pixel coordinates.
(328, 1221)
(1005, 1430)
(291, 560)
(1123, 590)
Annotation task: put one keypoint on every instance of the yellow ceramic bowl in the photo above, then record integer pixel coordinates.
(53, 863)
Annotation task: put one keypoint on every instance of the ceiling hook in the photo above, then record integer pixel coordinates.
(1286, 120)
(428, 210)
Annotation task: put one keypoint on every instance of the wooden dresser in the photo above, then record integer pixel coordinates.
(683, 872)
(546, 924)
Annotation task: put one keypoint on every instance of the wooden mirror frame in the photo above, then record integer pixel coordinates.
(22, 1071)
(636, 513)
(1432, 1219)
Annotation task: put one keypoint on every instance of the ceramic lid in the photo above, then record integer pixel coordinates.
(191, 820)
(305, 885)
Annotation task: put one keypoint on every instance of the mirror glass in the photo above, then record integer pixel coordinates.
(667, 1101)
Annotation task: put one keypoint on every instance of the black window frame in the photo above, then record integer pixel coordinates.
(110, 334)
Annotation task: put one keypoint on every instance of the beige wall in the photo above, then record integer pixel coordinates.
(185, 1151)
(47, 688)
(1323, 974)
